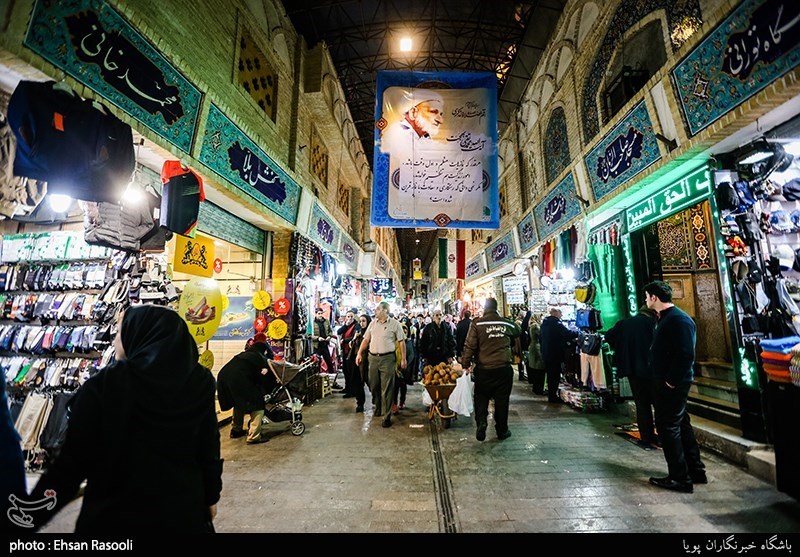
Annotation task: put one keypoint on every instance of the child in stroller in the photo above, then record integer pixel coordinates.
(283, 402)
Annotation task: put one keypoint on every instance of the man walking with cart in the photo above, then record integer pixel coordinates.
(489, 345)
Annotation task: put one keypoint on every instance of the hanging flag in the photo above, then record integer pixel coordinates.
(451, 258)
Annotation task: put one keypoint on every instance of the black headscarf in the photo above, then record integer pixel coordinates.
(160, 379)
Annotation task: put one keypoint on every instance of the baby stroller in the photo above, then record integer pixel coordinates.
(283, 404)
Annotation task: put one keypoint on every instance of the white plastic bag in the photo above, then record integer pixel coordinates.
(460, 400)
(426, 399)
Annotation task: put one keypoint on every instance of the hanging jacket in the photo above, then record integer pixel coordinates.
(18, 195)
(116, 226)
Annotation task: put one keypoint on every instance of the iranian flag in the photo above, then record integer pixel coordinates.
(451, 258)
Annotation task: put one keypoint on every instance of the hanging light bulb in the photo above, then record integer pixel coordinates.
(133, 194)
(341, 268)
(59, 203)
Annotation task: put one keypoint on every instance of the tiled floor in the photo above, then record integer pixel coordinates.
(561, 471)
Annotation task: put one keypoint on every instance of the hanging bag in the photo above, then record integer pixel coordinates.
(585, 293)
(461, 400)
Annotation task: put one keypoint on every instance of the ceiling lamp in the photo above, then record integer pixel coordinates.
(406, 44)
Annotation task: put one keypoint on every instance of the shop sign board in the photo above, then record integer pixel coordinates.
(435, 161)
(229, 152)
(94, 44)
(623, 153)
(322, 230)
(515, 284)
(500, 252)
(382, 286)
(559, 207)
(194, 256)
(537, 301)
(349, 253)
(527, 233)
(515, 297)
(417, 267)
(221, 224)
(475, 267)
(689, 190)
(382, 265)
(752, 47)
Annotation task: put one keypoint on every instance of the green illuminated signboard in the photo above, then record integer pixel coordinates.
(686, 192)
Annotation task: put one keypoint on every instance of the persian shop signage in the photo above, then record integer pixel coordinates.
(527, 233)
(691, 189)
(233, 155)
(90, 41)
(322, 230)
(627, 150)
(500, 252)
(475, 268)
(756, 44)
(559, 207)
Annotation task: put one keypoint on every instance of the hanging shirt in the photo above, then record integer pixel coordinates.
(180, 199)
(580, 241)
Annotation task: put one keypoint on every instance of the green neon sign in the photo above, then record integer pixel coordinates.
(630, 283)
(686, 192)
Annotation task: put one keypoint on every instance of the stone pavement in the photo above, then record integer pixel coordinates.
(561, 471)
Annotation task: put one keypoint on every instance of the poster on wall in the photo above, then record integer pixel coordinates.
(436, 150)
(237, 320)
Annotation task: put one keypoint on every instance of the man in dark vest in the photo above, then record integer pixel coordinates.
(490, 343)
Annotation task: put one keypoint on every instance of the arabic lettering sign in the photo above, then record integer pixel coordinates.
(436, 150)
(382, 286)
(383, 264)
(756, 44)
(500, 252)
(219, 223)
(475, 268)
(230, 153)
(624, 152)
(559, 207)
(322, 230)
(527, 233)
(194, 256)
(691, 189)
(90, 41)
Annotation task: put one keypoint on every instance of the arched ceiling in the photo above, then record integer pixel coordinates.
(500, 36)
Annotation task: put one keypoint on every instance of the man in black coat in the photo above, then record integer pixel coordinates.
(672, 361)
(554, 340)
(241, 385)
(437, 343)
(462, 328)
(631, 339)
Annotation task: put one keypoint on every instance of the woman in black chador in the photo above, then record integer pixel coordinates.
(143, 433)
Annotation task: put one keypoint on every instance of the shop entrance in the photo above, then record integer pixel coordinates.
(679, 249)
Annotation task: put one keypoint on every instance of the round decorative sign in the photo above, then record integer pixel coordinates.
(278, 329)
(519, 268)
(282, 306)
(261, 300)
(218, 265)
(207, 359)
(260, 324)
(201, 308)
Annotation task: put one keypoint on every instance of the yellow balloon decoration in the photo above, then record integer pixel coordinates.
(261, 300)
(201, 307)
(207, 359)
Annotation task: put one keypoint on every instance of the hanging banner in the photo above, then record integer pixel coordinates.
(194, 256)
(623, 153)
(322, 230)
(435, 161)
(559, 207)
(527, 233)
(755, 45)
(229, 152)
(94, 44)
(417, 267)
(500, 252)
(475, 267)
